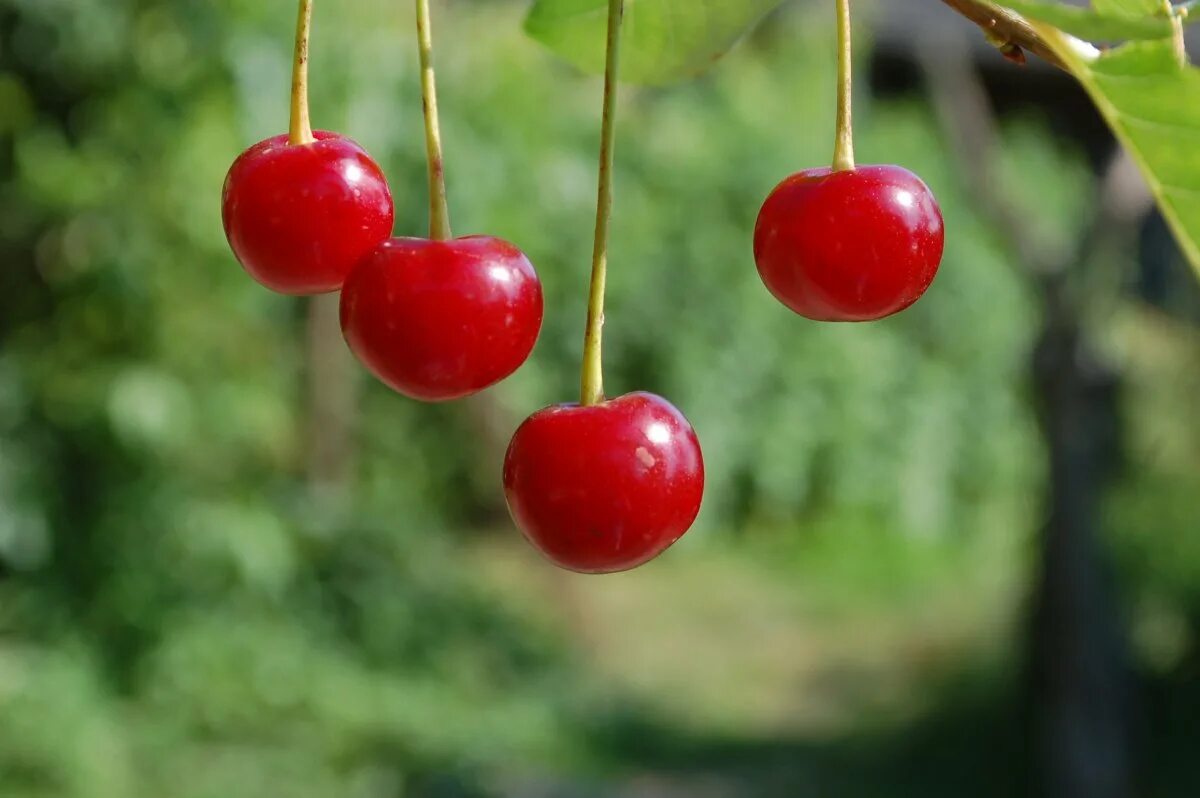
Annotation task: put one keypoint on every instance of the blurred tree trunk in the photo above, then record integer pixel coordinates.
(1079, 689)
(1081, 693)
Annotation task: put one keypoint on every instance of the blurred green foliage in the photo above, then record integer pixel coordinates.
(184, 614)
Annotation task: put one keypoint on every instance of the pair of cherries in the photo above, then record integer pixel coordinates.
(435, 320)
(598, 488)
(611, 486)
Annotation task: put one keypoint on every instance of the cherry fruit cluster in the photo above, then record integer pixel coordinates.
(599, 485)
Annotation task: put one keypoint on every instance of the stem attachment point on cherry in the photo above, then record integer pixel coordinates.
(439, 210)
(592, 377)
(300, 128)
(843, 151)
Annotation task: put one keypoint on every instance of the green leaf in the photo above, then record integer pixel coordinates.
(1129, 8)
(1106, 20)
(1152, 103)
(664, 40)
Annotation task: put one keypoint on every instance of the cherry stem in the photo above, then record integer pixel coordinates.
(592, 378)
(439, 210)
(843, 151)
(300, 129)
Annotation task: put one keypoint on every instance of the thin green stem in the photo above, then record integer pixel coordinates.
(300, 128)
(439, 210)
(843, 151)
(592, 378)
(1176, 16)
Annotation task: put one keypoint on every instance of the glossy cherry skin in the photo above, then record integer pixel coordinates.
(604, 488)
(300, 217)
(854, 245)
(439, 320)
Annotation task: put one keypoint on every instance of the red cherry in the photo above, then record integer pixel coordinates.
(608, 487)
(439, 320)
(853, 245)
(300, 216)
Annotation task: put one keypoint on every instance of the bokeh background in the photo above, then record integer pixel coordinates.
(953, 553)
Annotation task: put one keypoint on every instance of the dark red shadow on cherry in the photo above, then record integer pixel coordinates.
(299, 217)
(440, 320)
(855, 245)
(608, 487)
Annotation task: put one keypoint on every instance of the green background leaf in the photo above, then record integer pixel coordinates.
(1127, 7)
(664, 40)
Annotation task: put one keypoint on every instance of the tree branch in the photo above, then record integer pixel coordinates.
(1003, 25)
